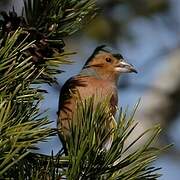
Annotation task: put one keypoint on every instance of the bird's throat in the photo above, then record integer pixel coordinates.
(93, 72)
(89, 72)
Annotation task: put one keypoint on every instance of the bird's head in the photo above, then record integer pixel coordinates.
(108, 64)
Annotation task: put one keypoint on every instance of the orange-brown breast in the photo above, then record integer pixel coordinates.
(86, 87)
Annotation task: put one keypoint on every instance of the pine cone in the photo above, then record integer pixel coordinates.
(43, 47)
(11, 22)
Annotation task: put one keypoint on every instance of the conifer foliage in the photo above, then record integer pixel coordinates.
(31, 51)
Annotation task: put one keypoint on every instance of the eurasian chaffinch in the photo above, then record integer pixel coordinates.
(97, 78)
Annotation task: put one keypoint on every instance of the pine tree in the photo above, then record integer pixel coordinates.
(31, 52)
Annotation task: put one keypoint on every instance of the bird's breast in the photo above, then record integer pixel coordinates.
(86, 87)
(96, 87)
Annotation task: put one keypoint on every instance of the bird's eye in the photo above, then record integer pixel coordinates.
(108, 60)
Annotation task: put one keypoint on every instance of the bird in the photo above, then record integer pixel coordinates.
(98, 77)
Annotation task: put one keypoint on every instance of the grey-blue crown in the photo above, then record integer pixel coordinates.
(103, 48)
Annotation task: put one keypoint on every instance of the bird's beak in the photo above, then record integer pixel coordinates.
(125, 67)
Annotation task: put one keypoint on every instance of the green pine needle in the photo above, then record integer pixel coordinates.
(89, 160)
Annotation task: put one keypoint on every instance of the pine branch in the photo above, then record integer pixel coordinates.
(59, 17)
(21, 125)
(30, 55)
(88, 159)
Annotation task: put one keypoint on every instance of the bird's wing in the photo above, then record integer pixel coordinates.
(69, 88)
(65, 92)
